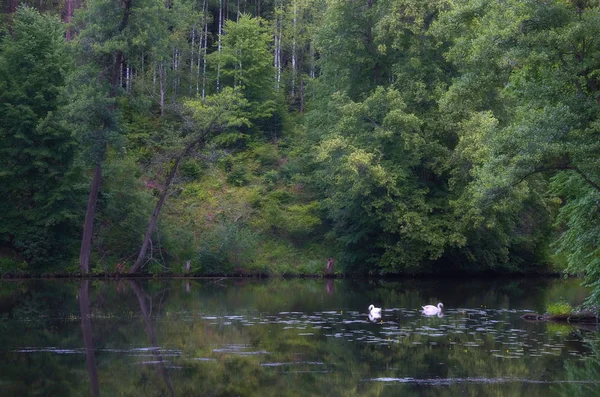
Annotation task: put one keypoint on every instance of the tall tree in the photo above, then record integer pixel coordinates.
(529, 86)
(350, 60)
(370, 176)
(98, 84)
(245, 61)
(111, 33)
(36, 150)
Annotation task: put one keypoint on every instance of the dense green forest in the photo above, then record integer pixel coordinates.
(263, 137)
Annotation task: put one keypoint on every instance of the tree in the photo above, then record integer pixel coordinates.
(214, 114)
(350, 56)
(110, 33)
(36, 149)
(372, 189)
(530, 69)
(245, 61)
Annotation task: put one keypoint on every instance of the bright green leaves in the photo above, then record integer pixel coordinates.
(218, 116)
(373, 192)
(246, 62)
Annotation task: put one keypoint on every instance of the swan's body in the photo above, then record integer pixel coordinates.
(431, 310)
(374, 311)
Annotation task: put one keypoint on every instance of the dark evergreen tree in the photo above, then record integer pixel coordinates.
(36, 150)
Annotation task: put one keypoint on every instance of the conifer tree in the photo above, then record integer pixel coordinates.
(36, 150)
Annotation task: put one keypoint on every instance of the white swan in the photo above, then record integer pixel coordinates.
(374, 311)
(431, 310)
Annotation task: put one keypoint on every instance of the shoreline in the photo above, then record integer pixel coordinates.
(407, 276)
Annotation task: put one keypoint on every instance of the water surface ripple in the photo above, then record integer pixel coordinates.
(292, 337)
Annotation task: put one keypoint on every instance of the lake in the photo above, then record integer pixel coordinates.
(278, 337)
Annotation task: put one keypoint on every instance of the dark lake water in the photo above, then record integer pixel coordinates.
(242, 337)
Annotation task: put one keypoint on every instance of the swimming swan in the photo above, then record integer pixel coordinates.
(374, 311)
(431, 310)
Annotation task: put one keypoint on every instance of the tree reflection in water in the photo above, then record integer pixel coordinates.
(86, 327)
(143, 300)
(290, 337)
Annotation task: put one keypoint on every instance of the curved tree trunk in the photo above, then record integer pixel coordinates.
(142, 299)
(139, 262)
(88, 226)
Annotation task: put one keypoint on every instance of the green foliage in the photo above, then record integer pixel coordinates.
(245, 61)
(237, 175)
(439, 136)
(267, 154)
(123, 206)
(227, 248)
(13, 267)
(349, 58)
(559, 308)
(190, 169)
(279, 216)
(271, 178)
(522, 63)
(380, 207)
(579, 222)
(37, 180)
(218, 113)
(109, 33)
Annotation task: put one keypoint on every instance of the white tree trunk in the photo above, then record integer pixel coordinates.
(153, 78)
(128, 78)
(174, 60)
(192, 63)
(161, 81)
(203, 32)
(220, 31)
(278, 34)
(294, 40)
(204, 58)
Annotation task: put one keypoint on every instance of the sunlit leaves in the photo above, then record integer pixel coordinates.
(246, 62)
(373, 195)
(219, 112)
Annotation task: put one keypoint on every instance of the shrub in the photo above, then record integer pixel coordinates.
(559, 308)
(190, 170)
(271, 178)
(227, 247)
(266, 154)
(238, 175)
(12, 266)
